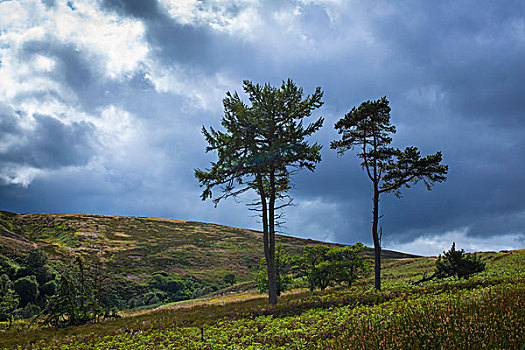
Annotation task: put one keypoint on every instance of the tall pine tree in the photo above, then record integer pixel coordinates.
(263, 145)
(367, 128)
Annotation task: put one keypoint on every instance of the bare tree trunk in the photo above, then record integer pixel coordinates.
(272, 283)
(375, 236)
(269, 253)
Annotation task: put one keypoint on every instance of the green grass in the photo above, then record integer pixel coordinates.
(485, 311)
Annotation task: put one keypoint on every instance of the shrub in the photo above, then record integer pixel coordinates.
(136, 301)
(27, 289)
(49, 288)
(35, 258)
(30, 310)
(71, 306)
(8, 299)
(7, 267)
(229, 278)
(202, 291)
(282, 270)
(323, 266)
(457, 263)
(151, 298)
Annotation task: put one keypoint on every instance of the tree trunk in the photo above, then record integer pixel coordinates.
(270, 262)
(375, 236)
(269, 257)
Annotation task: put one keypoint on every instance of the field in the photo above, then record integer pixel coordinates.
(485, 311)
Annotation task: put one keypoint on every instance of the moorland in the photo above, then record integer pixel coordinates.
(483, 311)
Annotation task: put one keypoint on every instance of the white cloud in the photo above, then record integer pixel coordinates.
(118, 42)
(283, 30)
(20, 174)
(117, 45)
(239, 18)
(201, 91)
(433, 245)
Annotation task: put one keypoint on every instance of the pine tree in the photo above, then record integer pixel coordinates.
(457, 263)
(263, 145)
(368, 129)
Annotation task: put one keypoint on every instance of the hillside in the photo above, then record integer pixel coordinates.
(135, 247)
(484, 311)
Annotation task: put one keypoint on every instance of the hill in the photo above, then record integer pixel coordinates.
(135, 247)
(484, 311)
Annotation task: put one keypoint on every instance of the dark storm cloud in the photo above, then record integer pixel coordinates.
(475, 60)
(482, 194)
(75, 70)
(475, 55)
(145, 9)
(48, 3)
(170, 41)
(48, 144)
(453, 72)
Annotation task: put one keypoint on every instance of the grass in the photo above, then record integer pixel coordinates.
(483, 312)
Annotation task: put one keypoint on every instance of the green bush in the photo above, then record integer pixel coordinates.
(30, 310)
(136, 301)
(199, 292)
(282, 271)
(27, 289)
(43, 274)
(49, 288)
(8, 299)
(7, 267)
(35, 258)
(35, 264)
(72, 305)
(229, 278)
(323, 266)
(155, 297)
(457, 263)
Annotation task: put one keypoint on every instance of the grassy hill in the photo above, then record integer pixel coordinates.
(135, 247)
(485, 311)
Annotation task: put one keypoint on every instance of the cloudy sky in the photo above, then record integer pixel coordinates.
(102, 102)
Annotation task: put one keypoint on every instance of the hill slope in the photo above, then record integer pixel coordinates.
(135, 247)
(482, 312)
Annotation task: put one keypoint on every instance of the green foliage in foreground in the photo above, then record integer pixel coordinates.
(470, 314)
(484, 311)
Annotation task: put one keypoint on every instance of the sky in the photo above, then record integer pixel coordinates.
(102, 105)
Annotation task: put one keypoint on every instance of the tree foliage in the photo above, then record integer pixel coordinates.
(262, 145)
(323, 266)
(8, 299)
(367, 128)
(75, 303)
(35, 258)
(457, 263)
(229, 278)
(347, 263)
(71, 306)
(27, 290)
(283, 264)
